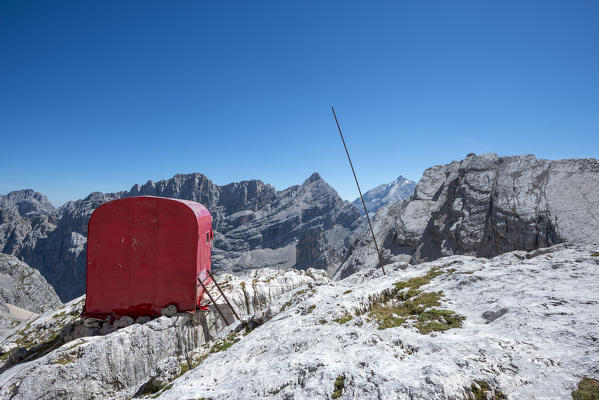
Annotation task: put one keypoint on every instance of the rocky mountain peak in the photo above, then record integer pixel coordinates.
(255, 226)
(26, 201)
(313, 178)
(382, 195)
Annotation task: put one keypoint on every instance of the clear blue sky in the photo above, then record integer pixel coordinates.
(98, 96)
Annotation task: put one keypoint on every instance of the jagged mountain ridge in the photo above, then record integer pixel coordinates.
(483, 205)
(486, 205)
(255, 226)
(24, 215)
(388, 193)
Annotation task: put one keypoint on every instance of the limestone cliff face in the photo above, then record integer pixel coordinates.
(486, 205)
(25, 287)
(23, 290)
(255, 226)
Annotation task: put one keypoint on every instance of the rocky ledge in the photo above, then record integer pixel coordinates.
(61, 356)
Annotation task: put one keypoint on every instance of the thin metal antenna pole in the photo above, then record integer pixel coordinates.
(360, 191)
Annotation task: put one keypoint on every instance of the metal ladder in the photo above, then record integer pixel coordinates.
(209, 284)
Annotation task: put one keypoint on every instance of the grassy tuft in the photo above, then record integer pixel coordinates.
(415, 283)
(397, 306)
(285, 305)
(344, 318)
(338, 387)
(588, 389)
(481, 390)
(224, 344)
(65, 359)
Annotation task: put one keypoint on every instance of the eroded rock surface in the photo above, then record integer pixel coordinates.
(25, 287)
(66, 358)
(23, 291)
(323, 342)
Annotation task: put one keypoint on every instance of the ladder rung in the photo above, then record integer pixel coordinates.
(208, 288)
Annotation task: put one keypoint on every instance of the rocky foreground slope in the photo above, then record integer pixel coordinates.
(60, 356)
(486, 205)
(255, 226)
(517, 326)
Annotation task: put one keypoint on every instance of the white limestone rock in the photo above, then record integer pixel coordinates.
(540, 348)
(91, 362)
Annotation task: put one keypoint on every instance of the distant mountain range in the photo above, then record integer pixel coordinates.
(483, 205)
(255, 226)
(294, 322)
(393, 192)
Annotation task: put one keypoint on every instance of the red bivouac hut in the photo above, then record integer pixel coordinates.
(145, 253)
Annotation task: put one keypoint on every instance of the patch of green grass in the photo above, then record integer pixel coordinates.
(285, 305)
(395, 307)
(347, 291)
(67, 357)
(385, 317)
(338, 387)
(595, 254)
(483, 391)
(164, 389)
(311, 308)
(588, 389)
(344, 318)
(415, 283)
(300, 292)
(75, 313)
(59, 315)
(224, 344)
(64, 359)
(195, 362)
